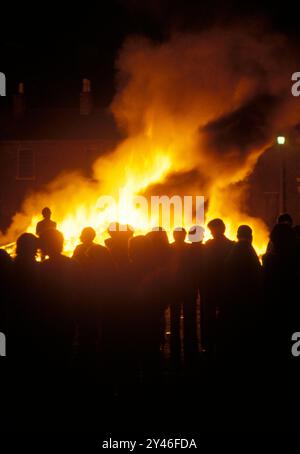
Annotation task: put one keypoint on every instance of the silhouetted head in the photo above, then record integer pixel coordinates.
(297, 231)
(97, 255)
(52, 242)
(159, 244)
(285, 218)
(283, 237)
(196, 234)
(113, 228)
(140, 250)
(244, 233)
(117, 230)
(158, 236)
(88, 235)
(217, 227)
(179, 234)
(46, 212)
(118, 241)
(27, 246)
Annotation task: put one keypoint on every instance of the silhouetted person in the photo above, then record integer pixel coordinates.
(26, 249)
(116, 330)
(59, 299)
(297, 231)
(5, 287)
(97, 308)
(161, 254)
(87, 237)
(161, 246)
(179, 235)
(179, 262)
(196, 254)
(118, 243)
(284, 218)
(240, 314)
(46, 223)
(145, 309)
(219, 241)
(197, 265)
(24, 309)
(151, 286)
(282, 274)
(216, 252)
(184, 298)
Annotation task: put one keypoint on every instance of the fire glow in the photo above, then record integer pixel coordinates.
(198, 111)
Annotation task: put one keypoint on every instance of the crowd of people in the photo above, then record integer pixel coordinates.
(105, 308)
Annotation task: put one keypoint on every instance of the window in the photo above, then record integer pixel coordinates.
(25, 165)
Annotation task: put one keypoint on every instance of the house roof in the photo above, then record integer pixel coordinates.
(58, 124)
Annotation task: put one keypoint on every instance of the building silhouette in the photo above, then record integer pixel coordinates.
(37, 144)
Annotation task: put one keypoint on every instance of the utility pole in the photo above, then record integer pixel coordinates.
(282, 203)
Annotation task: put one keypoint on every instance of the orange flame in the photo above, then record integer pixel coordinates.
(170, 92)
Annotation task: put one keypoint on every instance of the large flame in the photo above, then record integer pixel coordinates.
(198, 111)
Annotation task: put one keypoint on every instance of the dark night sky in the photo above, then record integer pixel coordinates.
(51, 48)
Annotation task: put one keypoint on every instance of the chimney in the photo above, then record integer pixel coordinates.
(19, 105)
(86, 103)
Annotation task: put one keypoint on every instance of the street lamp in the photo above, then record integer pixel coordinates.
(281, 142)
